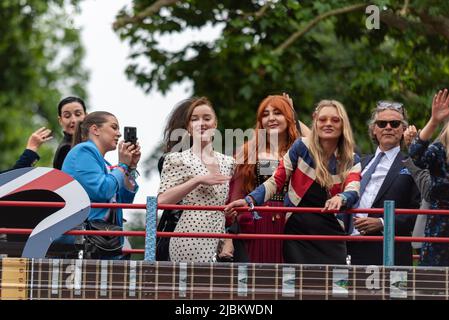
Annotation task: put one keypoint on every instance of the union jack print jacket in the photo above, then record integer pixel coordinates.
(297, 165)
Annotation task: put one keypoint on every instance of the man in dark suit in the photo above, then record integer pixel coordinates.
(384, 177)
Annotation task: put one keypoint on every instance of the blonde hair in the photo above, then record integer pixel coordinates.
(443, 137)
(345, 147)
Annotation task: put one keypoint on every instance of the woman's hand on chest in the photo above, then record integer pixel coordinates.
(212, 179)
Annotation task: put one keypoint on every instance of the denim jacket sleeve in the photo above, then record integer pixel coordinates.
(352, 184)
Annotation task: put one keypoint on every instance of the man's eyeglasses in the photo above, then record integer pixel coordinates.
(383, 123)
(382, 105)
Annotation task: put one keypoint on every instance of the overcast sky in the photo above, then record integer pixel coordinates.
(110, 90)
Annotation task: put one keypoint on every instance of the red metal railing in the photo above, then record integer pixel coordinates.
(295, 210)
(46, 204)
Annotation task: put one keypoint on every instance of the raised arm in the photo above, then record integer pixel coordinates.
(30, 155)
(305, 131)
(440, 112)
(418, 150)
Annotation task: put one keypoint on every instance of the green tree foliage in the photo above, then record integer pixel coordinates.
(40, 61)
(311, 49)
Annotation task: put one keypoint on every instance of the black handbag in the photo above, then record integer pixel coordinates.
(97, 246)
(168, 222)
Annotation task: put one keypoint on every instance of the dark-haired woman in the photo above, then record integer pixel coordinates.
(71, 110)
(96, 135)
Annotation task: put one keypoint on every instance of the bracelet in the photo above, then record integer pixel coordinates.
(417, 139)
(134, 173)
(344, 199)
(124, 166)
(250, 203)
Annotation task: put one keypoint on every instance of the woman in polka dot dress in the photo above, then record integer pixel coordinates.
(197, 176)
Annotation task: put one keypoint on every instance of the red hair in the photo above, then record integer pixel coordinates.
(247, 171)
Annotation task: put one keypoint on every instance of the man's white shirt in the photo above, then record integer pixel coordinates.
(376, 181)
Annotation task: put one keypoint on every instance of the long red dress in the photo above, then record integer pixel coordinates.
(261, 251)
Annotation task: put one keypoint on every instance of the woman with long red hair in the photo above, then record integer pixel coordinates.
(275, 131)
(322, 171)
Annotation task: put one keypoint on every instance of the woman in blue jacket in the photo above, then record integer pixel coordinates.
(98, 134)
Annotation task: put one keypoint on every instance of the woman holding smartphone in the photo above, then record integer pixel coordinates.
(96, 135)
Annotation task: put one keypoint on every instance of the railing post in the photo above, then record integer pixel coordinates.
(389, 216)
(150, 229)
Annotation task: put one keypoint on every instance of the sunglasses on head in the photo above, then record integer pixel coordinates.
(382, 105)
(383, 123)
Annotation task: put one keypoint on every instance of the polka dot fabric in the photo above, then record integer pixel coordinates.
(178, 168)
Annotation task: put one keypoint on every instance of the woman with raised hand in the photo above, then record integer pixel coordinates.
(197, 176)
(434, 157)
(30, 156)
(96, 135)
(321, 171)
(276, 130)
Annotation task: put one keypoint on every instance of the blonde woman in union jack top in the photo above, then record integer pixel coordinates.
(322, 171)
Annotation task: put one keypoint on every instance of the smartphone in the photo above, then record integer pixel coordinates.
(130, 134)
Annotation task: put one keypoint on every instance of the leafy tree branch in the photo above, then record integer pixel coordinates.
(298, 34)
(429, 25)
(148, 12)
